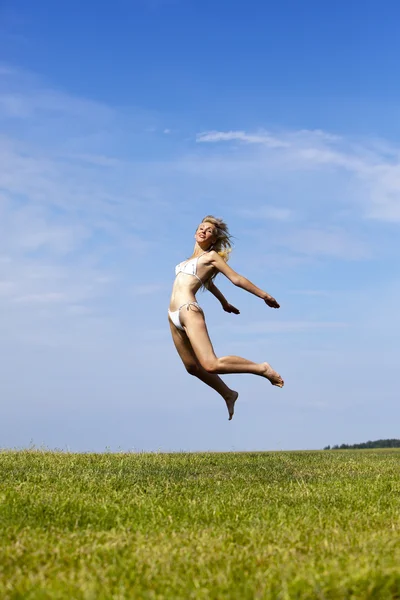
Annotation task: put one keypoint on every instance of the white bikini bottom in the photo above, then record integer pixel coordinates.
(175, 318)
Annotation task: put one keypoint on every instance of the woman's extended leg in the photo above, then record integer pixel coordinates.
(195, 327)
(189, 359)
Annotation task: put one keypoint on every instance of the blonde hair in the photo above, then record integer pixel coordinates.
(222, 245)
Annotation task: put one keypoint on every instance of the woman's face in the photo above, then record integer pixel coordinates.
(205, 233)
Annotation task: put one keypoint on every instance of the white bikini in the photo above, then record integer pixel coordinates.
(188, 267)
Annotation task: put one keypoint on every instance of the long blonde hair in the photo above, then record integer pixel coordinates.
(222, 245)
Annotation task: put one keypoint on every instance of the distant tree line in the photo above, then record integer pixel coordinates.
(376, 444)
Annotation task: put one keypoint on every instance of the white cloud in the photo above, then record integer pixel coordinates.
(6, 288)
(95, 159)
(6, 71)
(33, 281)
(310, 292)
(36, 102)
(48, 298)
(13, 106)
(328, 242)
(146, 289)
(30, 228)
(289, 327)
(375, 166)
(229, 136)
(274, 213)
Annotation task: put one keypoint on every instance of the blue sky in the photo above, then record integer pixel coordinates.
(122, 125)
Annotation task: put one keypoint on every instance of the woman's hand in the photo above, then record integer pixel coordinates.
(230, 309)
(270, 301)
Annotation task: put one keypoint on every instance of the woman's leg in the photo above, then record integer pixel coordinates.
(195, 327)
(193, 367)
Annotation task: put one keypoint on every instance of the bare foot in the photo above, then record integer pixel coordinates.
(230, 404)
(272, 376)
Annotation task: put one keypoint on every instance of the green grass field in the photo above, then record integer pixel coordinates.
(274, 525)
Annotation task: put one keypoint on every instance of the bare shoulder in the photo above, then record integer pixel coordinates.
(214, 257)
(220, 264)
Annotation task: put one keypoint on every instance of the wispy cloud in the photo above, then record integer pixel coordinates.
(4, 70)
(374, 165)
(289, 327)
(96, 159)
(48, 298)
(310, 292)
(328, 242)
(146, 289)
(6, 288)
(273, 213)
(36, 101)
(30, 228)
(241, 136)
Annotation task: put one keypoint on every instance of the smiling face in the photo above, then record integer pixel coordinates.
(205, 235)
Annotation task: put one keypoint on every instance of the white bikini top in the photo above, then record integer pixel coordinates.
(189, 267)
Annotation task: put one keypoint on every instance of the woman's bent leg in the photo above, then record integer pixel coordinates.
(197, 333)
(192, 365)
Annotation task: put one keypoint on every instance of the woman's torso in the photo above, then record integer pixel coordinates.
(190, 275)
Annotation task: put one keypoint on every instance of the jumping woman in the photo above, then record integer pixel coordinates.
(186, 317)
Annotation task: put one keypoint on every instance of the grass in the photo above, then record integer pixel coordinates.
(284, 525)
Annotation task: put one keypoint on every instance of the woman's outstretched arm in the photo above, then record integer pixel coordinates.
(224, 302)
(241, 281)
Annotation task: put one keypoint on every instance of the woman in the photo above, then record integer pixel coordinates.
(186, 317)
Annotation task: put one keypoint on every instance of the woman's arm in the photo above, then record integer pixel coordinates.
(224, 302)
(241, 281)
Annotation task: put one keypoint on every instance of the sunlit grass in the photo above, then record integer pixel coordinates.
(254, 525)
